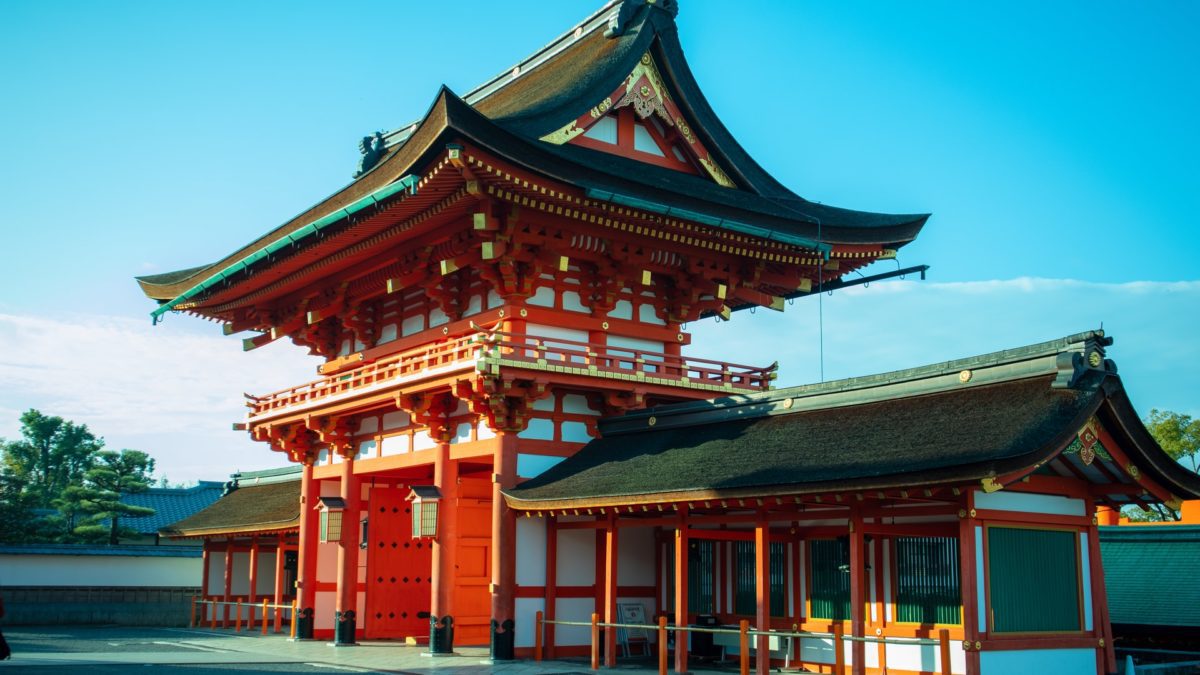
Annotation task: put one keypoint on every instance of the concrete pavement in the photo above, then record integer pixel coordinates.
(42, 650)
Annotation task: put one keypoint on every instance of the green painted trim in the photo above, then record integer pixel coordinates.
(705, 219)
(408, 182)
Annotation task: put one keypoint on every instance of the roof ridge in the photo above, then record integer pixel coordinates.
(1040, 358)
(595, 21)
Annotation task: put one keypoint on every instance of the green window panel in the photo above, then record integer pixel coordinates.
(745, 597)
(928, 589)
(1033, 578)
(829, 564)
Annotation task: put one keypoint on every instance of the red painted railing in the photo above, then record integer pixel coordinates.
(518, 350)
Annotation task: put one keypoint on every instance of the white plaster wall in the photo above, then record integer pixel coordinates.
(530, 465)
(577, 404)
(216, 572)
(635, 557)
(575, 432)
(923, 658)
(525, 611)
(531, 552)
(103, 570)
(1085, 562)
(324, 605)
(544, 331)
(1057, 661)
(241, 573)
(573, 609)
(576, 558)
(1029, 503)
(327, 561)
(265, 584)
(542, 297)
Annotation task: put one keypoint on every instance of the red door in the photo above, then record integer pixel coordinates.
(398, 569)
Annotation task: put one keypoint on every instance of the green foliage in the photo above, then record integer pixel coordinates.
(1179, 436)
(99, 497)
(60, 465)
(52, 454)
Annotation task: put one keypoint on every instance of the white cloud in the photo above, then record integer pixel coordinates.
(174, 389)
(171, 390)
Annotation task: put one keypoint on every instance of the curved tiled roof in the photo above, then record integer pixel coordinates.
(949, 424)
(267, 507)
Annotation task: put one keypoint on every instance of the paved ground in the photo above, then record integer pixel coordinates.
(182, 651)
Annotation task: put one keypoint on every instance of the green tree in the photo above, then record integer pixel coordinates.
(1179, 436)
(52, 454)
(114, 474)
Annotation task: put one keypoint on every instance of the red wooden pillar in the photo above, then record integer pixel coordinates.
(972, 623)
(762, 589)
(1101, 622)
(280, 555)
(228, 595)
(551, 582)
(206, 563)
(347, 556)
(250, 596)
(306, 556)
(445, 477)
(610, 590)
(857, 594)
(681, 589)
(504, 527)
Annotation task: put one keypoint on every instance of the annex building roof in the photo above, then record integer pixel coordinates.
(254, 502)
(987, 420)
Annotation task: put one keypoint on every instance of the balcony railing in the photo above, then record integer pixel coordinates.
(489, 351)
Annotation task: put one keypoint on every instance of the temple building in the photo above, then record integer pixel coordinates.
(506, 421)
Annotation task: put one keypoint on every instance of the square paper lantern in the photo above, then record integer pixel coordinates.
(424, 500)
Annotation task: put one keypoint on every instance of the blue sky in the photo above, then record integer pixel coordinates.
(1054, 143)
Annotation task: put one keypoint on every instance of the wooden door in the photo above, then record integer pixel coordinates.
(398, 569)
(472, 600)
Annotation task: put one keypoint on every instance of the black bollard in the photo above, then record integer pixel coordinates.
(304, 624)
(502, 640)
(441, 635)
(344, 628)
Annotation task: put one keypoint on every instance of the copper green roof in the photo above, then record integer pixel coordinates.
(1151, 574)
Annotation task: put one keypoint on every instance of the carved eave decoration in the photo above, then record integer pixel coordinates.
(645, 91)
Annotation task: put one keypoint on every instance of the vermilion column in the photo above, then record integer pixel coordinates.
(445, 477)
(857, 596)
(504, 528)
(347, 558)
(681, 589)
(228, 595)
(306, 556)
(610, 590)
(762, 577)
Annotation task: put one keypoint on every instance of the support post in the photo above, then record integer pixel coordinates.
(192, 616)
(551, 581)
(744, 647)
(1101, 621)
(228, 595)
(253, 571)
(662, 644)
(762, 589)
(595, 641)
(839, 649)
(206, 565)
(973, 624)
(944, 651)
(444, 557)
(681, 590)
(610, 591)
(857, 595)
(537, 636)
(278, 595)
(504, 535)
(346, 624)
(306, 562)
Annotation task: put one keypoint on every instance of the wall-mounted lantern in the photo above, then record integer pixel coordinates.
(331, 509)
(424, 500)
